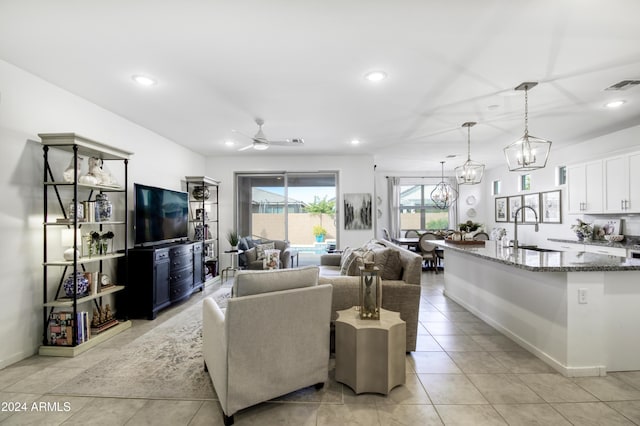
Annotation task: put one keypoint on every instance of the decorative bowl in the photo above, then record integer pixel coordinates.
(614, 238)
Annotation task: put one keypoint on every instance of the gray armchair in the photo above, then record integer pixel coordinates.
(273, 338)
(252, 261)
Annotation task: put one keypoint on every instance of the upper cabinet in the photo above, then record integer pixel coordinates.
(584, 188)
(608, 186)
(621, 195)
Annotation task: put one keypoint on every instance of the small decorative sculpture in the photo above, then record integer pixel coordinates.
(68, 174)
(95, 169)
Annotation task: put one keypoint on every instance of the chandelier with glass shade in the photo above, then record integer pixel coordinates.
(471, 172)
(528, 152)
(443, 195)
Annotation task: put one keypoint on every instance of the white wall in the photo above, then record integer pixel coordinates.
(355, 176)
(28, 106)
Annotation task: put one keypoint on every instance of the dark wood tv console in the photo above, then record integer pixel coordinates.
(162, 275)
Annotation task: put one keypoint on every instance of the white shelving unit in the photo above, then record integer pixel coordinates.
(58, 192)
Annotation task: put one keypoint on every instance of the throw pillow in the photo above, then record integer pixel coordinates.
(359, 256)
(345, 260)
(393, 268)
(260, 248)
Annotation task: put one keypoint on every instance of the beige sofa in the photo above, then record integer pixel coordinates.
(400, 285)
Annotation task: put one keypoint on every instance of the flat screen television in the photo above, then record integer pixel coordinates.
(161, 215)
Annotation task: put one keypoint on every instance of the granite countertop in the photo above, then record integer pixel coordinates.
(627, 243)
(551, 261)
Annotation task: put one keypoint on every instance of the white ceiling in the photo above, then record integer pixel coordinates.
(300, 66)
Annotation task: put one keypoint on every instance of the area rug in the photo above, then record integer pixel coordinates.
(165, 362)
(222, 295)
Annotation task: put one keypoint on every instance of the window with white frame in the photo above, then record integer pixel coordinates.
(496, 187)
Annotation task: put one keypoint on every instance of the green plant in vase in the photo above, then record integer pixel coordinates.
(105, 239)
(233, 238)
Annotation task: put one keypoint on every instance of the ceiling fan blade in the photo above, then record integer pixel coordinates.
(243, 134)
(244, 148)
(288, 142)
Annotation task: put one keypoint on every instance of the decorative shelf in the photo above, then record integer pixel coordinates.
(84, 223)
(72, 351)
(85, 259)
(67, 302)
(86, 147)
(103, 188)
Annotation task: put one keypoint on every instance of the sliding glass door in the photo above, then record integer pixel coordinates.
(288, 206)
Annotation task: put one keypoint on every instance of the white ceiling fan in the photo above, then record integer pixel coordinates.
(260, 141)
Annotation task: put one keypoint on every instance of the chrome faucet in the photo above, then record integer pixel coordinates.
(515, 223)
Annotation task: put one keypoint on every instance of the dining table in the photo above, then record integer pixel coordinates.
(407, 241)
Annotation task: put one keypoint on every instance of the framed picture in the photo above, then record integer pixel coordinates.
(533, 201)
(501, 209)
(357, 211)
(551, 208)
(515, 202)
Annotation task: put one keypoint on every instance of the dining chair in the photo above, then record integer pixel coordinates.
(428, 250)
(412, 233)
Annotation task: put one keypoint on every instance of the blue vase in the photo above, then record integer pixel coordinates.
(83, 285)
(580, 236)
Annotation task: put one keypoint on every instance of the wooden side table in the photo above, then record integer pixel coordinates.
(370, 354)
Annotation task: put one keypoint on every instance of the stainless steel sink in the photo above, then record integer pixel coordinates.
(536, 248)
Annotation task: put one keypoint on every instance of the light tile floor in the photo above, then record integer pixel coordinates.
(464, 372)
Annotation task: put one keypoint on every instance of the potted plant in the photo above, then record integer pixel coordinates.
(319, 232)
(469, 226)
(582, 229)
(233, 238)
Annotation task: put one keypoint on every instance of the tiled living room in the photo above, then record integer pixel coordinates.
(463, 372)
(371, 108)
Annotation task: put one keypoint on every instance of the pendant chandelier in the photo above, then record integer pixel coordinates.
(443, 195)
(528, 152)
(471, 172)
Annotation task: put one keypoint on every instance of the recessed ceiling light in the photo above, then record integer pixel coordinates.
(355, 142)
(615, 104)
(493, 107)
(144, 80)
(375, 76)
(229, 143)
(451, 156)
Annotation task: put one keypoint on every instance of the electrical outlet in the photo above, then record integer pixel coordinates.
(582, 295)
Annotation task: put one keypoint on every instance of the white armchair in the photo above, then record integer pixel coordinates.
(273, 338)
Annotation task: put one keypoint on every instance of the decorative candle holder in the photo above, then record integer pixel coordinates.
(370, 293)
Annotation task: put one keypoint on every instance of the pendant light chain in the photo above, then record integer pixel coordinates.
(526, 111)
(468, 143)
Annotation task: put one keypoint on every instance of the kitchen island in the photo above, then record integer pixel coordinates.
(578, 312)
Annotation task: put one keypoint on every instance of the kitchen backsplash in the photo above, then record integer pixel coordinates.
(630, 224)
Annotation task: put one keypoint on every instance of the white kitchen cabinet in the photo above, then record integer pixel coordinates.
(621, 189)
(585, 188)
(634, 183)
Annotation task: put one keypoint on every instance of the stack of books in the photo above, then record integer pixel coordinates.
(62, 324)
